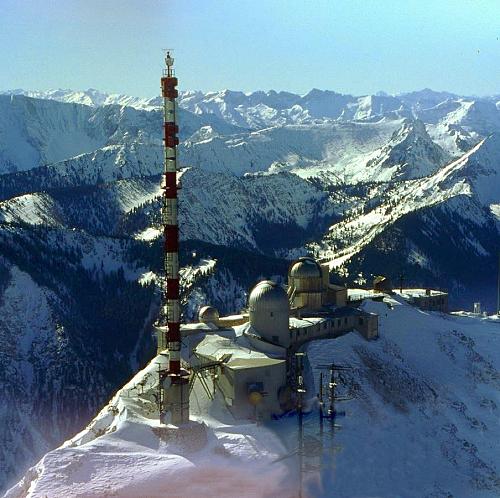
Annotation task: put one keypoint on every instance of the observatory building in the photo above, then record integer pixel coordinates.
(250, 355)
(252, 352)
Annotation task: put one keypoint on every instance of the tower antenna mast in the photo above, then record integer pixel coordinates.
(177, 394)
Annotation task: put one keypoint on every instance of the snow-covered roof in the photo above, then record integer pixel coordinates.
(234, 317)
(186, 327)
(409, 293)
(234, 355)
(300, 323)
(363, 293)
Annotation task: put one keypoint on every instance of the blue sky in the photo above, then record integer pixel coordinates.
(351, 46)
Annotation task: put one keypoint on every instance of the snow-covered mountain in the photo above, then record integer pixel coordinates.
(263, 109)
(422, 422)
(38, 132)
(427, 226)
(374, 184)
(410, 153)
(90, 97)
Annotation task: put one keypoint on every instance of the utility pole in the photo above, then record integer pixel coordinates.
(300, 391)
(331, 412)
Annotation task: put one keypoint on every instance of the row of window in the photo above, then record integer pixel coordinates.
(335, 323)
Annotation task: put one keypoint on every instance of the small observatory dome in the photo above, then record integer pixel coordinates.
(305, 275)
(208, 314)
(269, 312)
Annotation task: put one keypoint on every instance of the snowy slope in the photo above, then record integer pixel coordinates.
(356, 148)
(54, 356)
(264, 109)
(36, 132)
(465, 176)
(409, 154)
(336, 147)
(227, 455)
(423, 423)
(32, 209)
(40, 132)
(37, 358)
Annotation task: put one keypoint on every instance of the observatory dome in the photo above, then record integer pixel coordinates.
(305, 268)
(268, 295)
(208, 314)
(269, 312)
(305, 275)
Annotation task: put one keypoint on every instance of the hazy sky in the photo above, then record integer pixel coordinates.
(351, 46)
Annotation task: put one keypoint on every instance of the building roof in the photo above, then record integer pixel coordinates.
(305, 267)
(216, 348)
(300, 323)
(332, 312)
(242, 363)
(409, 293)
(364, 293)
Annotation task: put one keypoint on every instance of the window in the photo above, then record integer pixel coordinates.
(360, 321)
(345, 320)
(271, 313)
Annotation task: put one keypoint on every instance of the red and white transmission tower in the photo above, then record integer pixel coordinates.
(177, 394)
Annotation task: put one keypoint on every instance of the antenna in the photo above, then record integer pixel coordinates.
(178, 392)
(332, 396)
(169, 63)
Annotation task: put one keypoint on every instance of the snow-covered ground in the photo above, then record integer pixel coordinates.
(423, 422)
(121, 454)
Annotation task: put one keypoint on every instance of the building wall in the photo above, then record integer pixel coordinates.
(266, 347)
(432, 303)
(234, 383)
(232, 321)
(366, 325)
(313, 299)
(309, 284)
(336, 295)
(308, 300)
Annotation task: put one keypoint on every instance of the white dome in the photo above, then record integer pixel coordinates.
(208, 314)
(305, 268)
(268, 294)
(269, 312)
